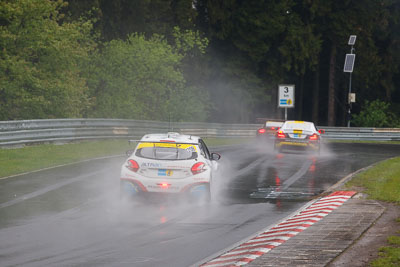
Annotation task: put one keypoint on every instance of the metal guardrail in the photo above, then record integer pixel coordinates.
(362, 133)
(25, 132)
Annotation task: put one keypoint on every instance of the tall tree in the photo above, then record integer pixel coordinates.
(270, 34)
(141, 78)
(336, 22)
(118, 18)
(41, 61)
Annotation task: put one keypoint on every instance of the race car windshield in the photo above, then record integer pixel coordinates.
(161, 151)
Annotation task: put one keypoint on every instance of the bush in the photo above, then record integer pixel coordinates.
(41, 61)
(141, 78)
(376, 113)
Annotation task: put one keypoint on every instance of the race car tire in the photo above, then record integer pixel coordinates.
(128, 191)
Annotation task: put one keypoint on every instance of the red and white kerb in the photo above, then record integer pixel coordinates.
(283, 231)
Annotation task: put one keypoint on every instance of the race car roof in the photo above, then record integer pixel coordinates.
(274, 123)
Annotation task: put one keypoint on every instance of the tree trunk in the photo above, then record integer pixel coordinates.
(301, 97)
(315, 108)
(388, 86)
(331, 89)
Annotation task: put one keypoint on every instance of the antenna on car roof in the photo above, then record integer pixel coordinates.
(169, 122)
(170, 128)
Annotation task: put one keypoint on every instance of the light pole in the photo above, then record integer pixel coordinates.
(348, 67)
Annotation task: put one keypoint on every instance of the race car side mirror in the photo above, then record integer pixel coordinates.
(322, 131)
(129, 152)
(215, 156)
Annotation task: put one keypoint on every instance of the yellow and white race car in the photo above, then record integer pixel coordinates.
(169, 163)
(298, 135)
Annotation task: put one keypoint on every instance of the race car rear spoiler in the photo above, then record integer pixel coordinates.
(161, 142)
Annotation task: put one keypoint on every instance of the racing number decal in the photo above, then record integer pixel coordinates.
(191, 149)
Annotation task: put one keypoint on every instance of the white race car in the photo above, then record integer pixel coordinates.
(169, 163)
(298, 135)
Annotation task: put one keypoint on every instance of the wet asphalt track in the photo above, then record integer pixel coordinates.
(72, 215)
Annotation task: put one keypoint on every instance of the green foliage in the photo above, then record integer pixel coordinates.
(269, 32)
(119, 18)
(140, 78)
(394, 240)
(381, 183)
(234, 51)
(189, 41)
(388, 257)
(375, 114)
(41, 61)
(300, 48)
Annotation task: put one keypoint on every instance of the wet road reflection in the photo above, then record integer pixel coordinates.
(295, 176)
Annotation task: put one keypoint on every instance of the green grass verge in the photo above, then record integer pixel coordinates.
(382, 182)
(390, 255)
(30, 158)
(224, 141)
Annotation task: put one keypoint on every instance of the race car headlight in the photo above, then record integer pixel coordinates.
(132, 165)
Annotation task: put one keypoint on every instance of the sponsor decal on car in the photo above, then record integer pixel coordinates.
(151, 165)
(164, 172)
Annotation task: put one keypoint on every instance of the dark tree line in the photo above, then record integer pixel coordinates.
(304, 43)
(214, 60)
